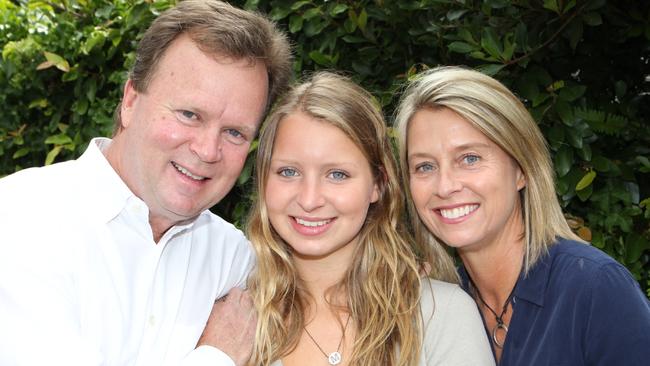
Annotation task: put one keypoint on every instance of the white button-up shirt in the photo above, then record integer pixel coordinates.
(82, 281)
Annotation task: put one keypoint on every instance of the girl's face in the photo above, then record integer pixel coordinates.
(464, 186)
(319, 189)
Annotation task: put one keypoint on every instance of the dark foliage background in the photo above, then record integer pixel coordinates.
(581, 67)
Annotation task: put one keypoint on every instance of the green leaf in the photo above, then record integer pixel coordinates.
(574, 32)
(54, 60)
(575, 137)
(295, 23)
(279, 12)
(586, 180)
(509, 49)
(313, 12)
(461, 47)
(593, 19)
(490, 69)
(601, 164)
(338, 9)
(455, 14)
(551, 5)
(59, 139)
(299, 4)
(320, 58)
(467, 36)
(571, 93)
(565, 112)
(363, 19)
(556, 134)
(489, 43)
(96, 39)
(38, 103)
(598, 240)
(635, 245)
(585, 152)
(563, 160)
(49, 159)
(584, 194)
(21, 152)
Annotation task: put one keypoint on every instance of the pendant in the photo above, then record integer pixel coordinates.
(496, 328)
(334, 358)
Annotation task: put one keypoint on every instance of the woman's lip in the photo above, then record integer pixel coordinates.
(456, 213)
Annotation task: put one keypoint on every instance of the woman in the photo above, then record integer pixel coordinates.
(336, 279)
(480, 180)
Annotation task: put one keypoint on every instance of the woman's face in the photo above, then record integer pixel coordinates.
(319, 188)
(465, 188)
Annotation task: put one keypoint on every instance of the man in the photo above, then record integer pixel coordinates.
(114, 258)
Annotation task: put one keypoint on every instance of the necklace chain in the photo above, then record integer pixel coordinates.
(499, 318)
(333, 358)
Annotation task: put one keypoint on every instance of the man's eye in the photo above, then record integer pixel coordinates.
(187, 115)
(234, 136)
(234, 133)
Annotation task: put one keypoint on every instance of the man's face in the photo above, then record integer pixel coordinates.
(185, 140)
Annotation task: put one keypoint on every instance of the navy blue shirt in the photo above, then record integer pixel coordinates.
(577, 306)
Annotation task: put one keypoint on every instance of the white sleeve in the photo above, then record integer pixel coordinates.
(207, 355)
(453, 329)
(39, 311)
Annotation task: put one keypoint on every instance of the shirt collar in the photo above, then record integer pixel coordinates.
(108, 191)
(531, 286)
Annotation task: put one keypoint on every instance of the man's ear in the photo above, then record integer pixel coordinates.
(128, 100)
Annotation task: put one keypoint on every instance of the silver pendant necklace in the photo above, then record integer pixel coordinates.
(335, 357)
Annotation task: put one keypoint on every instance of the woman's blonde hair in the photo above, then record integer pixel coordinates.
(497, 113)
(382, 285)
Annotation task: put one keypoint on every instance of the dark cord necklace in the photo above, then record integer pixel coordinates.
(501, 325)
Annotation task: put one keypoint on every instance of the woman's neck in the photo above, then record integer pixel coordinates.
(494, 270)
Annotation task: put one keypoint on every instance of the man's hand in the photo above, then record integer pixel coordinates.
(231, 326)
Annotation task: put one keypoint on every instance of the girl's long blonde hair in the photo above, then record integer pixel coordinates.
(382, 285)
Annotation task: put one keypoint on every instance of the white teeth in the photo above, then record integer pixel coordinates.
(458, 211)
(312, 223)
(187, 172)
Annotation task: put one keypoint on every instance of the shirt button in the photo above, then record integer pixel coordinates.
(152, 321)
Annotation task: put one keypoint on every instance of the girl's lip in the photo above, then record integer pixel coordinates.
(311, 226)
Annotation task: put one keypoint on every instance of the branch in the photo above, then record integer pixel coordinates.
(550, 40)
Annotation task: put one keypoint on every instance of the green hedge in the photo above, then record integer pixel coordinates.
(581, 67)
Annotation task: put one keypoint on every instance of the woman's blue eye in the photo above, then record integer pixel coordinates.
(287, 172)
(338, 175)
(471, 159)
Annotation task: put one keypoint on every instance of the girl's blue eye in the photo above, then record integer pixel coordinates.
(424, 167)
(288, 172)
